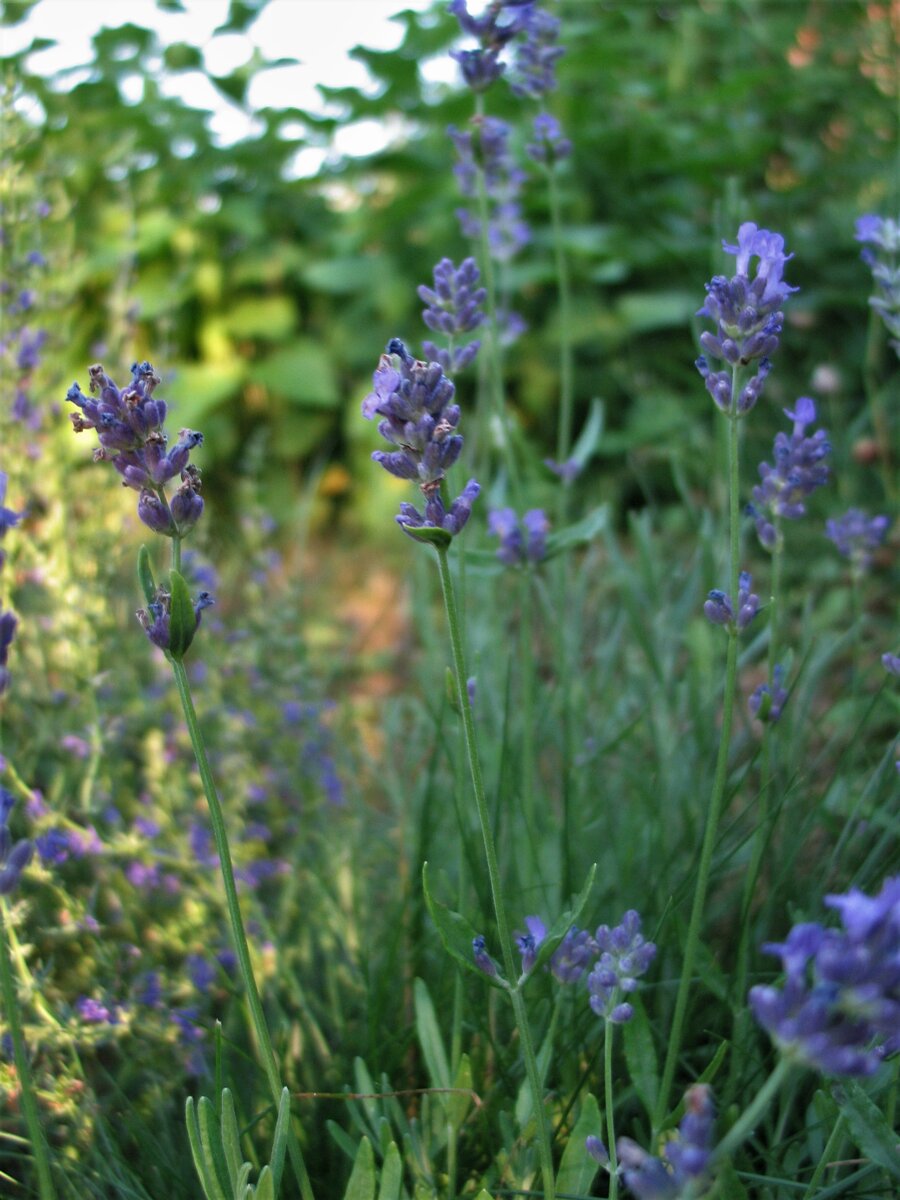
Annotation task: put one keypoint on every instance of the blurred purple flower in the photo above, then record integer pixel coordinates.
(839, 1008)
(720, 611)
(884, 234)
(857, 536)
(549, 146)
(767, 703)
(515, 550)
(14, 856)
(685, 1156)
(799, 470)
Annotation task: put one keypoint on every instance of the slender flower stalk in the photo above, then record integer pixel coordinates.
(493, 868)
(415, 402)
(130, 428)
(239, 935)
(720, 780)
(748, 318)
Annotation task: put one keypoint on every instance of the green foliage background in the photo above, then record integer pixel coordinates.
(266, 300)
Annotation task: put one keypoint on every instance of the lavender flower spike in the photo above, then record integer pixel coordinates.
(415, 401)
(129, 424)
(453, 307)
(883, 233)
(685, 1158)
(14, 858)
(719, 609)
(767, 703)
(748, 317)
(515, 550)
(8, 624)
(624, 955)
(798, 471)
(839, 1009)
(857, 536)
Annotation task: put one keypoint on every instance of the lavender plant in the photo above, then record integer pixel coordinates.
(129, 424)
(414, 399)
(748, 316)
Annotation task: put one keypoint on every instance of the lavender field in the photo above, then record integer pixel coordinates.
(449, 653)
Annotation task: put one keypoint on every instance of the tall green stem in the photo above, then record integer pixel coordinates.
(220, 835)
(763, 826)
(566, 371)
(39, 1149)
(837, 1132)
(749, 1118)
(493, 869)
(721, 776)
(610, 1110)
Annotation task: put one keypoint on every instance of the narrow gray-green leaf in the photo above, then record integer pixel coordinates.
(361, 1185)
(145, 575)
(578, 1169)
(456, 933)
(869, 1126)
(182, 618)
(640, 1055)
(429, 1035)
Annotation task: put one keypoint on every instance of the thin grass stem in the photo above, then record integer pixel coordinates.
(242, 949)
(493, 869)
(714, 811)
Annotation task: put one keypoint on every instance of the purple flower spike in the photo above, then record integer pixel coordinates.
(129, 425)
(8, 625)
(415, 401)
(748, 316)
(720, 611)
(839, 1009)
(884, 234)
(857, 536)
(453, 307)
(767, 703)
(624, 955)
(485, 150)
(549, 146)
(8, 518)
(799, 470)
(515, 550)
(685, 1157)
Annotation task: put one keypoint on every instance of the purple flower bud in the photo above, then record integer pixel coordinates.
(624, 956)
(483, 960)
(596, 1150)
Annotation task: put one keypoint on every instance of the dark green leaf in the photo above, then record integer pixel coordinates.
(456, 933)
(640, 1055)
(145, 575)
(578, 1169)
(869, 1126)
(431, 535)
(182, 618)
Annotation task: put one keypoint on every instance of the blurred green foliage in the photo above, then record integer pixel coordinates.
(266, 299)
